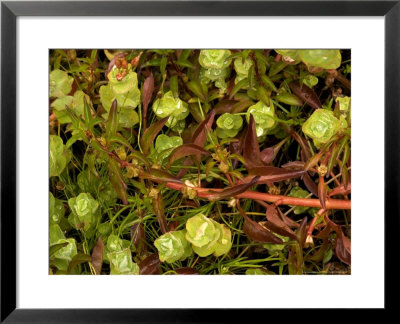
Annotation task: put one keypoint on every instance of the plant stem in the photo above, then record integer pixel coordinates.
(283, 200)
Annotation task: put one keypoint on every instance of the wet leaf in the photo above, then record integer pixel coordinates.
(150, 265)
(233, 191)
(147, 92)
(185, 150)
(251, 150)
(97, 255)
(150, 134)
(305, 93)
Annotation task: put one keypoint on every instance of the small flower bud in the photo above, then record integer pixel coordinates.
(224, 167)
(274, 190)
(309, 242)
(232, 203)
(153, 193)
(322, 170)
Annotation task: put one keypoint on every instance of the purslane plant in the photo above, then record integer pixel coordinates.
(215, 67)
(84, 212)
(207, 236)
(263, 117)
(145, 143)
(174, 108)
(228, 125)
(173, 246)
(321, 126)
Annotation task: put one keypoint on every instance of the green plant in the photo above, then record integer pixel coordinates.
(228, 125)
(208, 161)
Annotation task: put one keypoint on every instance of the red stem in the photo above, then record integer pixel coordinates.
(283, 200)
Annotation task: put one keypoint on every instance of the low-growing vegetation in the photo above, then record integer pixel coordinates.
(209, 161)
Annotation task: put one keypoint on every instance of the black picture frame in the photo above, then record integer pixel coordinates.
(10, 10)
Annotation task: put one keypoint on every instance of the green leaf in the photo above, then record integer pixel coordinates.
(60, 83)
(323, 58)
(58, 156)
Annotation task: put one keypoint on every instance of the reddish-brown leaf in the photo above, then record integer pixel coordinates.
(297, 165)
(288, 221)
(150, 134)
(251, 150)
(256, 232)
(302, 142)
(342, 244)
(341, 190)
(117, 180)
(158, 176)
(232, 191)
(224, 106)
(322, 192)
(272, 174)
(158, 209)
(310, 184)
(306, 94)
(138, 236)
(278, 225)
(199, 138)
(302, 232)
(185, 150)
(187, 271)
(150, 265)
(97, 255)
(200, 134)
(267, 155)
(147, 92)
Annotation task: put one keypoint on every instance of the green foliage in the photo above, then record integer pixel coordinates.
(207, 236)
(321, 126)
(169, 161)
(263, 117)
(173, 246)
(64, 255)
(215, 67)
(56, 210)
(229, 125)
(313, 58)
(121, 263)
(84, 211)
(58, 156)
(169, 106)
(60, 83)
